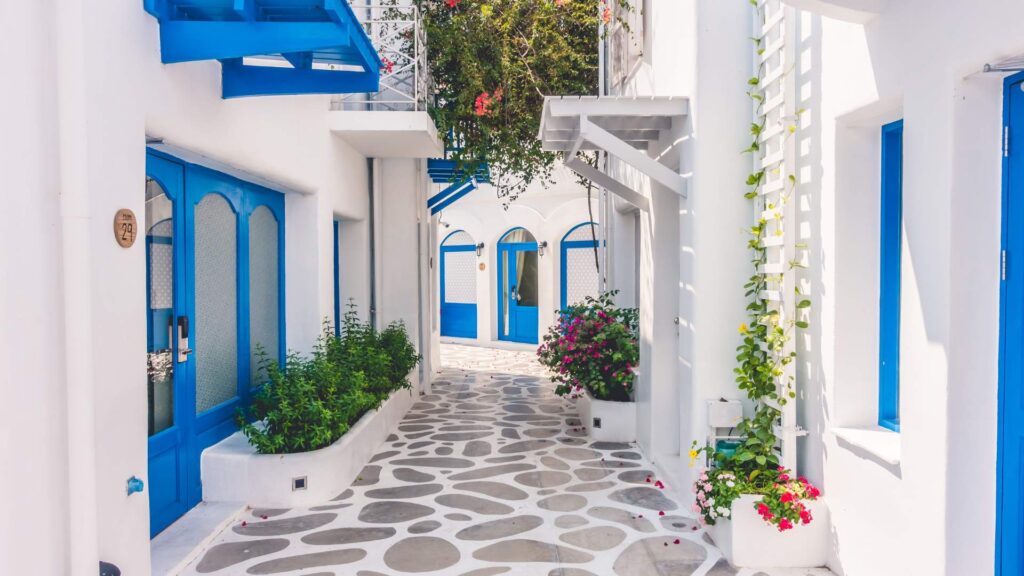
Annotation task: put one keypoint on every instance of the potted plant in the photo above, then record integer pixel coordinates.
(592, 352)
(762, 518)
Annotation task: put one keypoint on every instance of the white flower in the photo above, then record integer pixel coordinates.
(711, 501)
(723, 511)
(726, 513)
(730, 484)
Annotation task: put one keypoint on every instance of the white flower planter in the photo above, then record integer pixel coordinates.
(747, 541)
(607, 421)
(232, 471)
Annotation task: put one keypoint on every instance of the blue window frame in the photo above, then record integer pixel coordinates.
(891, 241)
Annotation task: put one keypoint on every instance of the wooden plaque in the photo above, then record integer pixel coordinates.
(483, 266)
(126, 227)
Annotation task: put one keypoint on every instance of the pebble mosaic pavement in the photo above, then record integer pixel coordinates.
(489, 475)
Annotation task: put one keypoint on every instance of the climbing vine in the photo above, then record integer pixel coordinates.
(764, 355)
(492, 62)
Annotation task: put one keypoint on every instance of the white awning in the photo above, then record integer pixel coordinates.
(388, 134)
(623, 126)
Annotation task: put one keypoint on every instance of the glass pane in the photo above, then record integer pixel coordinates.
(504, 291)
(582, 234)
(460, 277)
(581, 278)
(159, 306)
(215, 327)
(263, 289)
(527, 284)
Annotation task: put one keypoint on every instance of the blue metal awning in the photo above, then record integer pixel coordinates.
(444, 171)
(271, 47)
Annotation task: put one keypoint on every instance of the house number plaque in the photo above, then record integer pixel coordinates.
(126, 227)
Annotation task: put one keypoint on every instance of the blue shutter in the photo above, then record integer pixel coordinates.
(889, 285)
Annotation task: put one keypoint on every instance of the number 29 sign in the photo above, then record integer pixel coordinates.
(126, 227)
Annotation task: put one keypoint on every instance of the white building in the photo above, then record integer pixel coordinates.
(907, 377)
(104, 96)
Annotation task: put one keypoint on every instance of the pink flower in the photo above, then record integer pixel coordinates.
(785, 524)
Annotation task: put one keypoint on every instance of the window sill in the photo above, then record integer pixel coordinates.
(880, 442)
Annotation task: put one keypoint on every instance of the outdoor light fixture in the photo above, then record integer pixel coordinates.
(541, 247)
(479, 249)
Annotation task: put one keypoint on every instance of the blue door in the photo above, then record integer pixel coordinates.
(1010, 520)
(458, 286)
(216, 299)
(518, 287)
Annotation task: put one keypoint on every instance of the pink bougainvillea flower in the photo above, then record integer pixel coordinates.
(451, 3)
(389, 66)
(661, 513)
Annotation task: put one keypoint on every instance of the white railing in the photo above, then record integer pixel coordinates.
(398, 36)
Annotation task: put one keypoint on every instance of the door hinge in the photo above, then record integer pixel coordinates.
(1006, 141)
(1003, 265)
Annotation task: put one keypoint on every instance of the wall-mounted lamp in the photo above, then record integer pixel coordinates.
(541, 247)
(479, 249)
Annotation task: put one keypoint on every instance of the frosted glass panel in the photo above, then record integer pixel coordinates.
(160, 269)
(460, 277)
(263, 287)
(460, 238)
(215, 330)
(580, 275)
(582, 234)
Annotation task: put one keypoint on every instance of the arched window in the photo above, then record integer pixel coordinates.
(458, 285)
(580, 275)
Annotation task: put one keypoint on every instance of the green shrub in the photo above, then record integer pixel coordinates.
(311, 402)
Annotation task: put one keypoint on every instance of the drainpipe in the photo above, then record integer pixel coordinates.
(76, 218)
(424, 333)
(372, 216)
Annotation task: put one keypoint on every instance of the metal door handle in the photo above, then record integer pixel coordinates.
(183, 349)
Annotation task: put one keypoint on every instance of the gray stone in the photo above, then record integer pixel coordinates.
(443, 451)
(501, 528)
(344, 495)
(312, 560)
(464, 428)
(230, 553)
(493, 489)
(517, 408)
(460, 436)
(456, 517)
(623, 517)
(570, 521)
(554, 463)
(526, 446)
(421, 554)
(598, 538)
(591, 474)
(679, 524)
(410, 475)
(643, 497)
(337, 536)
(626, 455)
(368, 476)
(563, 503)
(384, 455)
(652, 557)
(611, 464)
(491, 471)
(637, 476)
(591, 487)
(543, 479)
(420, 444)
(434, 462)
(530, 551)
(473, 504)
(392, 512)
(610, 446)
(330, 507)
(487, 571)
(577, 453)
(403, 492)
(503, 459)
(722, 568)
(285, 525)
(542, 432)
(415, 427)
(476, 449)
(510, 433)
(424, 527)
(268, 512)
(571, 572)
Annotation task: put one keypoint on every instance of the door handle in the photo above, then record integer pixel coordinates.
(183, 349)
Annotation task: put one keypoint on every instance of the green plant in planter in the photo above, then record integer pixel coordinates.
(401, 353)
(594, 346)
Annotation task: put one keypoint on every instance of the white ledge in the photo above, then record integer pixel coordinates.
(880, 442)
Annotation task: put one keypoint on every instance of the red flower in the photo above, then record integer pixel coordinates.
(659, 484)
(661, 513)
(786, 497)
(805, 517)
(388, 65)
(676, 541)
(451, 3)
(763, 510)
(785, 524)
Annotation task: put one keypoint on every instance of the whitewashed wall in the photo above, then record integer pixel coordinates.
(934, 512)
(73, 422)
(548, 213)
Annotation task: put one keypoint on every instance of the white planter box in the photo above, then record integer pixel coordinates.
(607, 421)
(232, 471)
(747, 541)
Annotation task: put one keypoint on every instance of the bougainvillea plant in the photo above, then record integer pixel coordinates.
(593, 346)
(492, 62)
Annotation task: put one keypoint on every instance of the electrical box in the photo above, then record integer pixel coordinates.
(724, 413)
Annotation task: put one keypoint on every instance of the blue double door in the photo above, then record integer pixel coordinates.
(215, 294)
(518, 292)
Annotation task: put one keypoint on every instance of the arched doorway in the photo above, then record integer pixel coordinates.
(458, 285)
(518, 287)
(580, 276)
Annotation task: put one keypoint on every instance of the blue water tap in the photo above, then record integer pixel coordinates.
(135, 485)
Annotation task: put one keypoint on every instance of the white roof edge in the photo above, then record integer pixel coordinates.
(200, 159)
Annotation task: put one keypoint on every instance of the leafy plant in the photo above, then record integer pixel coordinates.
(492, 63)
(311, 402)
(783, 501)
(594, 346)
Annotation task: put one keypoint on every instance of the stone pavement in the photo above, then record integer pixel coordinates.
(490, 474)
